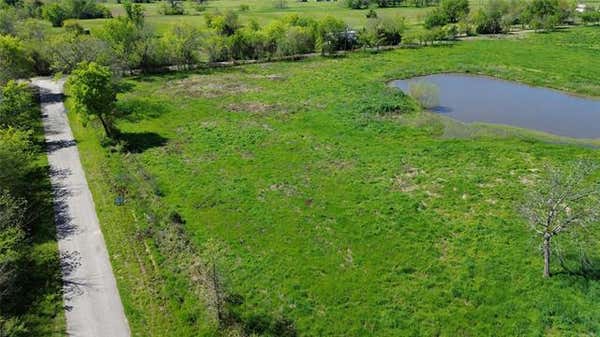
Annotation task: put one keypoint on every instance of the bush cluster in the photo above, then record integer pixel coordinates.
(498, 16)
(58, 12)
(590, 15)
(362, 4)
(291, 35)
(18, 115)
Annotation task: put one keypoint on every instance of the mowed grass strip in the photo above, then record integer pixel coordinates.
(342, 217)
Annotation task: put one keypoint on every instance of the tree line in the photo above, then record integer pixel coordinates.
(127, 43)
(499, 16)
(363, 4)
(21, 209)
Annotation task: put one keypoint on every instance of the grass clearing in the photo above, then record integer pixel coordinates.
(339, 208)
(263, 11)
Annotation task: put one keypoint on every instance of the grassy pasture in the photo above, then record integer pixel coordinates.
(340, 219)
(264, 11)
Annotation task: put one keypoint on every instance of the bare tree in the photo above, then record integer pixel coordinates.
(564, 200)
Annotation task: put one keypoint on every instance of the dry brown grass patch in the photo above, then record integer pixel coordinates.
(210, 86)
(254, 107)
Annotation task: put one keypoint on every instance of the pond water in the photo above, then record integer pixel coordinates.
(485, 99)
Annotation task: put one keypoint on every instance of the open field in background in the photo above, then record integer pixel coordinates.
(334, 219)
(264, 11)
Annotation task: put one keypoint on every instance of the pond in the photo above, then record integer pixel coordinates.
(484, 99)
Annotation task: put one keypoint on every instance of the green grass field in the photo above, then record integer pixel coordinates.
(330, 216)
(265, 11)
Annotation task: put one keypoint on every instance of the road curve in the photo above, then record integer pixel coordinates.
(93, 307)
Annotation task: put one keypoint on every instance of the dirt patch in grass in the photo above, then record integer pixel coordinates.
(272, 77)
(254, 107)
(210, 86)
(405, 181)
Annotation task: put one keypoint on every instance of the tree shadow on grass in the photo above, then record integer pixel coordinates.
(137, 109)
(588, 268)
(39, 299)
(138, 142)
(588, 274)
(257, 324)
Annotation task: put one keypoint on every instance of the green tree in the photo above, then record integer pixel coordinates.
(15, 160)
(15, 61)
(66, 51)
(131, 45)
(93, 92)
(547, 14)
(449, 11)
(224, 24)
(17, 106)
(135, 13)
(455, 10)
(492, 18)
(333, 35)
(296, 40)
(184, 43)
(55, 13)
(8, 21)
(435, 18)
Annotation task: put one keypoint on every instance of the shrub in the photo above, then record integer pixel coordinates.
(8, 21)
(183, 43)
(436, 18)
(455, 10)
(450, 32)
(224, 24)
(17, 106)
(547, 14)
(426, 93)
(218, 48)
(33, 8)
(296, 40)
(15, 61)
(371, 14)
(134, 12)
(492, 18)
(244, 8)
(58, 12)
(449, 11)
(85, 9)
(55, 13)
(334, 35)
(172, 7)
(247, 44)
(132, 46)
(590, 16)
(16, 157)
(73, 27)
(357, 4)
(391, 29)
(66, 51)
